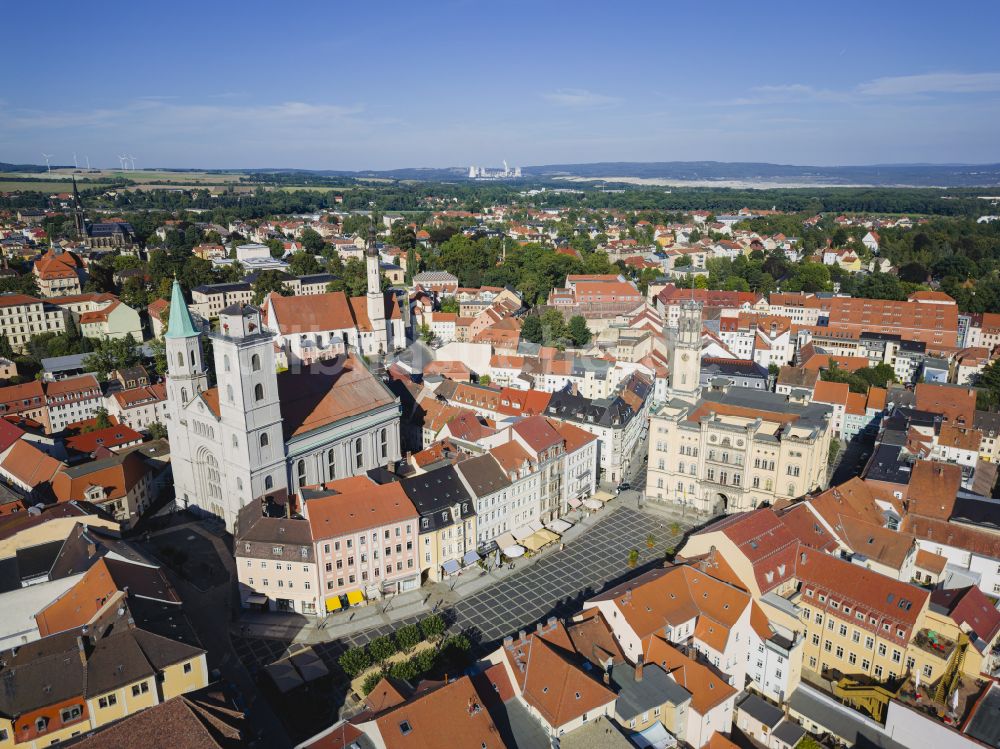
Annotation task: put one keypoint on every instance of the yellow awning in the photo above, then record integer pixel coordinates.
(333, 603)
(355, 597)
(536, 541)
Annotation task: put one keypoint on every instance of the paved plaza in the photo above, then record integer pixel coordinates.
(555, 585)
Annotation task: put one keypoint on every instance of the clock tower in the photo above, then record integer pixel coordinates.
(685, 354)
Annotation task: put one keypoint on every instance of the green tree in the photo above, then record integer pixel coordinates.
(353, 279)
(371, 681)
(303, 264)
(408, 637)
(449, 304)
(579, 331)
(269, 281)
(354, 661)
(157, 431)
(531, 330)
(684, 261)
(381, 648)
(432, 626)
(809, 277)
(277, 248)
(103, 421)
(833, 452)
(633, 558)
(988, 387)
(426, 334)
(553, 326)
(110, 354)
(484, 379)
(312, 240)
(6, 351)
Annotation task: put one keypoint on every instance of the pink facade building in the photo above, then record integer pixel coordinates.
(365, 539)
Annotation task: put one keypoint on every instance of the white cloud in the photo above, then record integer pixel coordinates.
(161, 113)
(579, 98)
(932, 83)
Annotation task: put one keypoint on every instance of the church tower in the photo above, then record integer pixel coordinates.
(186, 373)
(253, 445)
(78, 217)
(375, 297)
(685, 354)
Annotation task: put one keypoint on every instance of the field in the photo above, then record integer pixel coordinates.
(46, 186)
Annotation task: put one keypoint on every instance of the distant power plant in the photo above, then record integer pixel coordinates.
(486, 172)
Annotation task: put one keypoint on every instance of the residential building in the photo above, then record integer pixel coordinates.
(94, 675)
(366, 540)
(121, 484)
(139, 407)
(448, 536)
(276, 563)
(22, 317)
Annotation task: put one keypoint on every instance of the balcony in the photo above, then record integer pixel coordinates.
(934, 643)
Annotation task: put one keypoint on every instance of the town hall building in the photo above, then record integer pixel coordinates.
(258, 434)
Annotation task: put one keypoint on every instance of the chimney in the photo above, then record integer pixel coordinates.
(638, 669)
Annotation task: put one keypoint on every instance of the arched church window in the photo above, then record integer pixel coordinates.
(225, 362)
(268, 483)
(184, 395)
(300, 471)
(180, 358)
(258, 392)
(255, 363)
(359, 453)
(229, 393)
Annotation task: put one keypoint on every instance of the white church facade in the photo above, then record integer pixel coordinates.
(258, 434)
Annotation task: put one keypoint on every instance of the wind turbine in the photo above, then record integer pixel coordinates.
(47, 156)
(88, 162)
(132, 159)
(75, 165)
(121, 161)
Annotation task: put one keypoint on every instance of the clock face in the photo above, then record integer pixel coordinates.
(684, 357)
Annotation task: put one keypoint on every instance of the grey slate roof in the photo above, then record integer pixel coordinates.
(434, 494)
(655, 689)
(984, 724)
(839, 719)
(761, 710)
(483, 475)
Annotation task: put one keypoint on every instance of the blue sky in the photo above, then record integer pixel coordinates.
(371, 85)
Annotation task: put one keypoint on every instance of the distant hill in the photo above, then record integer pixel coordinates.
(886, 175)
(4, 167)
(723, 172)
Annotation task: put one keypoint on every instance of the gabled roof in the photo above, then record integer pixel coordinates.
(675, 595)
(969, 606)
(321, 395)
(349, 505)
(548, 678)
(30, 465)
(707, 688)
(454, 710)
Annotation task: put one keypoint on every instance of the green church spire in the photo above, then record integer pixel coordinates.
(180, 324)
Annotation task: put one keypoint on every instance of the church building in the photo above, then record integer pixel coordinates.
(258, 434)
(103, 235)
